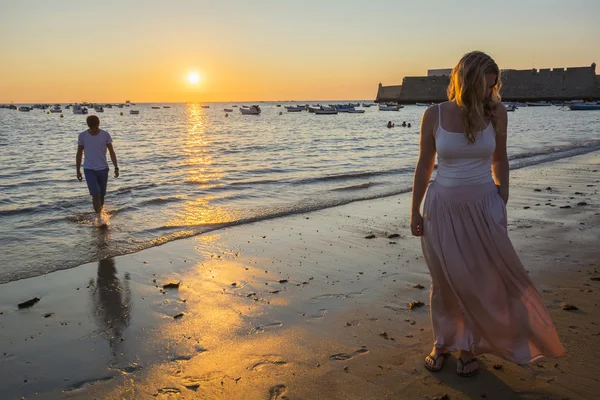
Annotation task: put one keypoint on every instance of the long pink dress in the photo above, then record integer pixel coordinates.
(482, 299)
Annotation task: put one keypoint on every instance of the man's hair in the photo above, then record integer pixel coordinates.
(93, 121)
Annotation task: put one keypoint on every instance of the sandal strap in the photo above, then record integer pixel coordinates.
(465, 363)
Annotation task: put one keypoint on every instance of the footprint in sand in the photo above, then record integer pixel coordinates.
(262, 328)
(278, 392)
(268, 361)
(346, 356)
(167, 392)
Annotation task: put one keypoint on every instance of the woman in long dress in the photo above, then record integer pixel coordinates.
(482, 300)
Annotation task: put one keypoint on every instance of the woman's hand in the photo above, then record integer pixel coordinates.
(416, 224)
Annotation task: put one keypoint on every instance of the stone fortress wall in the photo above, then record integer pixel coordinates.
(517, 85)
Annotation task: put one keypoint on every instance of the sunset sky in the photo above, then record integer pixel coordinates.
(110, 51)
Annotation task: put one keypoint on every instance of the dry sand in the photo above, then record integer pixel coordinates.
(303, 307)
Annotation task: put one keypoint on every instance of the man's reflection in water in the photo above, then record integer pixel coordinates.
(111, 305)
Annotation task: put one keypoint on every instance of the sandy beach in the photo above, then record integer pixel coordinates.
(310, 306)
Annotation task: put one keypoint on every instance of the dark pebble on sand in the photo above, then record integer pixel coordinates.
(415, 304)
(526, 208)
(370, 237)
(582, 203)
(178, 316)
(497, 366)
(565, 206)
(569, 307)
(442, 397)
(384, 335)
(548, 188)
(595, 278)
(172, 285)
(29, 303)
(419, 286)
(48, 315)
(537, 190)
(393, 235)
(283, 281)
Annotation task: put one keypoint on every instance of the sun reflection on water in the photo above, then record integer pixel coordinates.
(200, 170)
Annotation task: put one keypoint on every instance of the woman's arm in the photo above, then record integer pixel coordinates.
(424, 168)
(500, 169)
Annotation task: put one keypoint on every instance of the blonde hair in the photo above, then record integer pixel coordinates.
(468, 88)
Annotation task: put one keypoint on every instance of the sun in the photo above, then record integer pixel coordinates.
(193, 78)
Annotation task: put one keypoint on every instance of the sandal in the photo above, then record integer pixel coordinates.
(463, 364)
(434, 359)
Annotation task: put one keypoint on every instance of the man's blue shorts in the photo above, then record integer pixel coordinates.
(96, 180)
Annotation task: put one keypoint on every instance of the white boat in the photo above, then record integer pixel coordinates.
(326, 112)
(228, 109)
(355, 111)
(79, 109)
(384, 107)
(56, 109)
(423, 104)
(134, 112)
(98, 108)
(294, 109)
(253, 110)
(25, 108)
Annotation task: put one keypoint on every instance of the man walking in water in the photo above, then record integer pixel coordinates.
(93, 144)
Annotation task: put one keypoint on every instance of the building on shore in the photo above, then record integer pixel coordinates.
(517, 85)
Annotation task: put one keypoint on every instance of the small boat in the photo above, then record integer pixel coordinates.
(98, 109)
(25, 108)
(366, 105)
(68, 107)
(108, 106)
(79, 109)
(385, 107)
(510, 107)
(134, 112)
(56, 109)
(294, 109)
(252, 110)
(205, 106)
(166, 106)
(326, 112)
(538, 104)
(278, 105)
(156, 108)
(584, 107)
(423, 104)
(233, 106)
(228, 109)
(356, 111)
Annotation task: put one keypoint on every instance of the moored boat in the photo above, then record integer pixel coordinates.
(79, 109)
(584, 107)
(385, 107)
(252, 110)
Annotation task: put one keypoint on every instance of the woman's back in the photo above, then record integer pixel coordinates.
(461, 162)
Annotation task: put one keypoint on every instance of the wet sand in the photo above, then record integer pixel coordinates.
(311, 306)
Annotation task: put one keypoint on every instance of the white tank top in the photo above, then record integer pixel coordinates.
(461, 163)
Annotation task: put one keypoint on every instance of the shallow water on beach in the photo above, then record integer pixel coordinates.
(187, 170)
